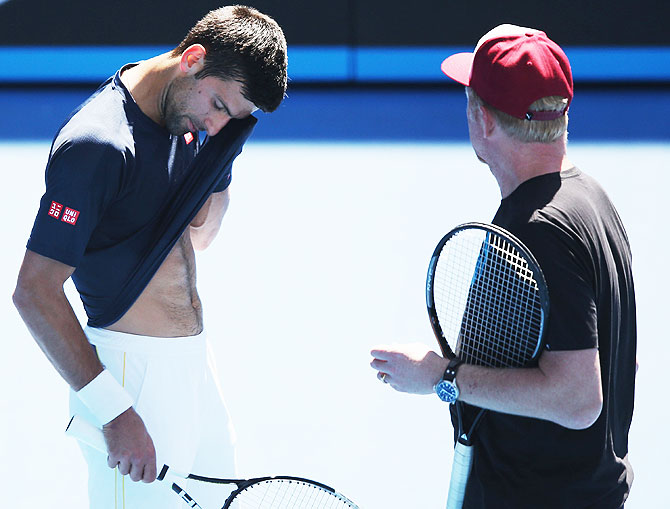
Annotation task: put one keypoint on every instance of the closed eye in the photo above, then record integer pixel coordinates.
(220, 105)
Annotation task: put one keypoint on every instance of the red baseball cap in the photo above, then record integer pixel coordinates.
(511, 68)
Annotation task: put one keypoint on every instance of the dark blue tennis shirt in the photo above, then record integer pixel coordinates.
(120, 191)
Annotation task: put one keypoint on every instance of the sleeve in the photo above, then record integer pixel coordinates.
(82, 179)
(226, 177)
(573, 318)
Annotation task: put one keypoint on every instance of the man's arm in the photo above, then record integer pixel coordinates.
(565, 388)
(206, 223)
(40, 299)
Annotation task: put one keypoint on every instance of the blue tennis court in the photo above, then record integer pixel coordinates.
(337, 203)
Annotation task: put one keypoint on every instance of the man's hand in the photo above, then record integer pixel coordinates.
(412, 368)
(130, 447)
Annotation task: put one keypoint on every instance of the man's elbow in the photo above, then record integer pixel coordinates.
(582, 415)
(201, 244)
(23, 294)
(202, 238)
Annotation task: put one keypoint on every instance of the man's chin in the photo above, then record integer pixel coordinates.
(481, 159)
(177, 128)
(179, 131)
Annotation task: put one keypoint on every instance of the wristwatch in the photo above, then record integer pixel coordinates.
(446, 389)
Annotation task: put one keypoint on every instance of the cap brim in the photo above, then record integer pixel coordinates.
(459, 67)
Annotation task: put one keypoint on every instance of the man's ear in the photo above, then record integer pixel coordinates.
(192, 59)
(488, 121)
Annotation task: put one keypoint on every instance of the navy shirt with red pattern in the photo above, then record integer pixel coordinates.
(120, 191)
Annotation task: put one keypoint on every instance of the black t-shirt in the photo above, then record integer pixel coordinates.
(570, 225)
(120, 191)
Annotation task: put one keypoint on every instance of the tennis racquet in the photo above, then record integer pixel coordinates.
(488, 304)
(276, 492)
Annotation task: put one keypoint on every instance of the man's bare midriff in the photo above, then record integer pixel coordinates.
(169, 306)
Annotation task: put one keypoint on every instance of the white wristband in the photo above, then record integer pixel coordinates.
(105, 397)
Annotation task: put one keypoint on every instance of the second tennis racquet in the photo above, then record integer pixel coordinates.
(271, 492)
(488, 304)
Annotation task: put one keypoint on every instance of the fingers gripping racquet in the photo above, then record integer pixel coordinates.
(488, 304)
(276, 492)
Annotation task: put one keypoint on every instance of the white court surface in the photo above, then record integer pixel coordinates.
(323, 255)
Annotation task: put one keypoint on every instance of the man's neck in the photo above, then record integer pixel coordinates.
(147, 82)
(520, 162)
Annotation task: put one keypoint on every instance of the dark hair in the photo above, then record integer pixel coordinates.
(244, 45)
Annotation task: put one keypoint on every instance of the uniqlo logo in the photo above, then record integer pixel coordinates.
(55, 209)
(70, 216)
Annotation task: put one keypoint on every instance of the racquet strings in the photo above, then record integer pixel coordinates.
(288, 494)
(487, 300)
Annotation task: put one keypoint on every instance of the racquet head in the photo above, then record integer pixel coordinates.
(487, 298)
(285, 492)
(277, 492)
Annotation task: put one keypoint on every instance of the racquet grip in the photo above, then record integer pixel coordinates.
(460, 471)
(87, 433)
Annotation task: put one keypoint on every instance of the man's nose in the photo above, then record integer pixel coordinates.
(215, 123)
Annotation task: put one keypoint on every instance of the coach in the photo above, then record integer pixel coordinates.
(556, 435)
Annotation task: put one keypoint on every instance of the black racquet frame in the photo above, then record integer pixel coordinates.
(91, 435)
(465, 437)
(243, 484)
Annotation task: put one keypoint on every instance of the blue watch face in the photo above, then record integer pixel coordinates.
(446, 391)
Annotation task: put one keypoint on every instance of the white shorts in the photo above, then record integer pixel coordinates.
(175, 389)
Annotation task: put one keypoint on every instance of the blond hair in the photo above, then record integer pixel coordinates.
(528, 131)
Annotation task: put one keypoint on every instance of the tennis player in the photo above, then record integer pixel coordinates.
(130, 194)
(556, 435)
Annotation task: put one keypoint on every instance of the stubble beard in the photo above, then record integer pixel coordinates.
(176, 122)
